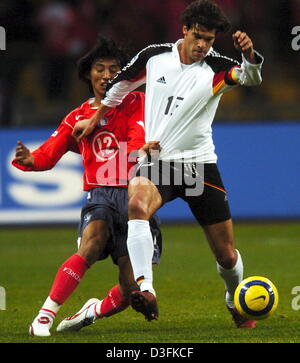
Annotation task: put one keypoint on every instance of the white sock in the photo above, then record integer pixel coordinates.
(140, 249)
(50, 308)
(232, 277)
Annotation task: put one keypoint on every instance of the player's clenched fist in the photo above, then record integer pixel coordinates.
(82, 128)
(85, 127)
(243, 44)
(23, 155)
(150, 148)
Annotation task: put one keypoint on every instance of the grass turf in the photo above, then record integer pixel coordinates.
(190, 293)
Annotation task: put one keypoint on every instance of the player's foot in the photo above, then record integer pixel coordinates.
(239, 320)
(145, 302)
(41, 326)
(84, 317)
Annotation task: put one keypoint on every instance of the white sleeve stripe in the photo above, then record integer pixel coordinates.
(218, 55)
(72, 127)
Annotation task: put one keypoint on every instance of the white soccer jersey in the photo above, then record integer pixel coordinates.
(181, 101)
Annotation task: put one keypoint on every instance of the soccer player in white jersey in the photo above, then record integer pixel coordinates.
(184, 84)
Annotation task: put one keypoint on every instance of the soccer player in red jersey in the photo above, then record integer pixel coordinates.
(107, 167)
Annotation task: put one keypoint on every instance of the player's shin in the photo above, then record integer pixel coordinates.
(140, 249)
(66, 280)
(112, 304)
(232, 277)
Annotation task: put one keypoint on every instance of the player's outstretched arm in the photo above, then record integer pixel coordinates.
(85, 127)
(23, 155)
(249, 74)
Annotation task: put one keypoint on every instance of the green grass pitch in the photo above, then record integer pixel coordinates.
(190, 292)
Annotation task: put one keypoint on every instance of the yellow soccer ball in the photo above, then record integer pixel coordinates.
(256, 298)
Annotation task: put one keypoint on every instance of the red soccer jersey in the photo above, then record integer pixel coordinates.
(105, 151)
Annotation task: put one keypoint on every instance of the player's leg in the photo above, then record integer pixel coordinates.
(229, 262)
(229, 265)
(118, 297)
(147, 192)
(211, 210)
(93, 241)
(143, 200)
(126, 279)
(116, 300)
(69, 275)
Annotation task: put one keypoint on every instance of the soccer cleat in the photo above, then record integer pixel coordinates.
(80, 319)
(145, 302)
(239, 320)
(41, 326)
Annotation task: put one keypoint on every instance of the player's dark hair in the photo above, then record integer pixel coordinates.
(206, 13)
(103, 49)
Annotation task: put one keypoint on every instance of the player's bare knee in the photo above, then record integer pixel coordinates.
(137, 208)
(227, 259)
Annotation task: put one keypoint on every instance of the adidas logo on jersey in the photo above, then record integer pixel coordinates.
(162, 80)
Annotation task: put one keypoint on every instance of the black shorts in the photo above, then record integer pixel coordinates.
(110, 204)
(200, 185)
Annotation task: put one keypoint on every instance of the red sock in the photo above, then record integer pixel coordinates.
(67, 278)
(113, 303)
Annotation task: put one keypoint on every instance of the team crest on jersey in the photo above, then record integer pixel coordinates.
(103, 121)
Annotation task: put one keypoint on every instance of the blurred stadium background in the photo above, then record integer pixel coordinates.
(256, 130)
